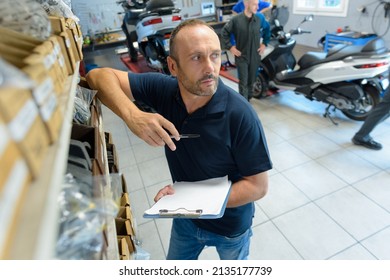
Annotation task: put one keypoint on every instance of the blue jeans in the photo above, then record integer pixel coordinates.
(188, 240)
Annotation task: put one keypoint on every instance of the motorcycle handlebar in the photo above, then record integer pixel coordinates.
(298, 31)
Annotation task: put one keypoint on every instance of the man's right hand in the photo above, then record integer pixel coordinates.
(152, 128)
(113, 89)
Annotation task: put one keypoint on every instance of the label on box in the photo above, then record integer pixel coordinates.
(57, 48)
(22, 122)
(67, 43)
(50, 59)
(61, 60)
(48, 108)
(3, 138)
(43, 90)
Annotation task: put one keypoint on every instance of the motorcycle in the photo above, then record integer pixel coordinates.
(132, 9)
(153, 25)
(347, 77)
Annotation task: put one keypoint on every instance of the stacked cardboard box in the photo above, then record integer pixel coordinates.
(69, 36)
(31, 116)
(42, 62)
(14, 179)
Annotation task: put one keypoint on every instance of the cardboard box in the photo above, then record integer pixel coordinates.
(66, 50)
(46, 99)
(60, 56)
(6, 32)
(123, 249)
(124, 184)
(124, 230)
(123, 226)
(26, 127)
(60, 30)
(72, 26)
(125, 201)
(44, 84)
(52, 117)
(22, 59)
(14, 180)
(125, 213)
(49, 51)
(58, 24)
(73, 45)
(129, 242)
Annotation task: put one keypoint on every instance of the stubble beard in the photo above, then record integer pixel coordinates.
(195, 88)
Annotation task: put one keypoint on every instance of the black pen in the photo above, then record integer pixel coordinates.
(187, 136)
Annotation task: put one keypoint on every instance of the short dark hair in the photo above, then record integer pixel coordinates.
(172, 40)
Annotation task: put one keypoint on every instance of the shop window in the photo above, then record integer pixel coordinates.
(321, 7)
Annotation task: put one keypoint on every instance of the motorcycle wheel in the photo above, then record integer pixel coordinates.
(366, 104)
(260, 87)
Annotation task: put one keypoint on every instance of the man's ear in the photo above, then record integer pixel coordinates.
(172, 65)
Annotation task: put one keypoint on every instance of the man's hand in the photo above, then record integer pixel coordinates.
(167, 190)
(153, 129)
(261, 49)
(235, 51)
(114, 91)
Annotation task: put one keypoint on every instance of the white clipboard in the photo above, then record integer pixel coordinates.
(205, 199)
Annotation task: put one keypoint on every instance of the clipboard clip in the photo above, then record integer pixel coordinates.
(180, 213)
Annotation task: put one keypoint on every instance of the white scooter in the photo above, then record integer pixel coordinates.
(350, 78)
(154, 25)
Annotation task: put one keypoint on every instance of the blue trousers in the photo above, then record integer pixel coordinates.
(377, 115)
(188, 241)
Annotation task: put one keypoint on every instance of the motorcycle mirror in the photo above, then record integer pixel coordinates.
(309, 18)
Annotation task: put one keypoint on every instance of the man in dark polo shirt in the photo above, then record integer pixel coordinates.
(231, 142)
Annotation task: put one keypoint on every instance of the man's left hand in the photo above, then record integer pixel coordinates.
(261, 49)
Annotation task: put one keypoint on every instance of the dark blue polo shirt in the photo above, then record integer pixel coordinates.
(231, 141)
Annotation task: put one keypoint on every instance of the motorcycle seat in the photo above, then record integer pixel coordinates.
(157, 4)
(159, 8)
(341, 51)
(159, 12)
(134, 13)
(310, 59)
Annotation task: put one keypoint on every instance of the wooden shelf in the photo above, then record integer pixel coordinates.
(37, 227)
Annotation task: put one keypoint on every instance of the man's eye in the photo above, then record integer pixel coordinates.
(196, 57)
(215, 55)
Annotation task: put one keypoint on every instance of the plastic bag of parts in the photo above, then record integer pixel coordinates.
(58, 8)
(25, 16)
(140, 253)
(84, 212)
(82, 103)
(10, 76)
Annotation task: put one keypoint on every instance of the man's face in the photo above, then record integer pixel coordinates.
(198, 60)
(253, 5)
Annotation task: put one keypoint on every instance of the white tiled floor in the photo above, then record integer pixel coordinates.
(328, 199)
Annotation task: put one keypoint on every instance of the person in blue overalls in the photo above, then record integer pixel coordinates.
(246, 27)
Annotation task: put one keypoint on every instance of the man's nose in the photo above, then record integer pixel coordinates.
(209, 65)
